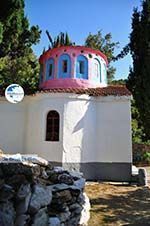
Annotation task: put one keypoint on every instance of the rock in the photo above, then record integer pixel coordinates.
(7, 214)
(53, 221)
(33, 193)
(16, 180)
(22, 205)
(18, 158)
(75, 208)
(53, 176)
(75, 191)
(73, 221)
(2, 182)
(64, 196)
(22, 220)
(76, 175)
(64, 216)
(23, 191)
(41, 218)
(59, 187)
(42, 196)
(35, 159)
(44, 174)
(65, 178)
(81, 199)
(1, 172)
(59, 169)
(80, 183)
(36, 171)
(6, 192)
(12, 169)
(142, 177)
(42, 181)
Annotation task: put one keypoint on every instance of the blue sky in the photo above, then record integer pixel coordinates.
(79, 17)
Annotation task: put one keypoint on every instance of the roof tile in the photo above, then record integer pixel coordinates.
(104, 91)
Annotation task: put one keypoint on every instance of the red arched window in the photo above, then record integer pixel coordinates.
(52, 126)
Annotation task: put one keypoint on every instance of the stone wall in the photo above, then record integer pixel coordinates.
(32, 193)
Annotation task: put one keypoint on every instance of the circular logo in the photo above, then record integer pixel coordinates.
(14, 93)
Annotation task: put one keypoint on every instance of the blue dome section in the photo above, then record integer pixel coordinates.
(64, 66)
(73, 67)
(82, 67)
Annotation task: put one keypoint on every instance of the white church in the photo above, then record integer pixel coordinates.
(75, 120)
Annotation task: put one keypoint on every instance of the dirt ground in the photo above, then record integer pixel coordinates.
(119, 204)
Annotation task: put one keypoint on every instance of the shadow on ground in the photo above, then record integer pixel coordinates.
(125, 208)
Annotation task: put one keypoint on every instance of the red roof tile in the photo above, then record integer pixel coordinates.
(104, 91)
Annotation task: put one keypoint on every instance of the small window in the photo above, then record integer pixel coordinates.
(81, 67)
(96, 69)
(50, 65)
(52, 126)
(64, 66)
(50, 70)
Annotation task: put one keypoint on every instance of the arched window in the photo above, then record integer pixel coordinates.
(97, 70)
(104, 73)
(82, 67)
(52, 126)
(50, 69)
(64, 66)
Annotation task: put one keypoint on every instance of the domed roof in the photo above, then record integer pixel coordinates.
(73, 67)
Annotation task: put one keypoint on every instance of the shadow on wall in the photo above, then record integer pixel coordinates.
(88, 145)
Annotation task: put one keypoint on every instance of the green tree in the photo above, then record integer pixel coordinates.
(137, 130)
(104, 44)
(139, 78)
(118, 82)
(23, 70)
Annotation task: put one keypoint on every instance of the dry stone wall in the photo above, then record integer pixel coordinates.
(32, 193)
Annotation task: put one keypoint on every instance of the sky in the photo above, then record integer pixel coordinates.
(79, 17)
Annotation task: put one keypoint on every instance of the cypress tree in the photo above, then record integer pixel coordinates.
(17, 36)
(67, 40)
(18, 63)
(62, 41)
(139, 78)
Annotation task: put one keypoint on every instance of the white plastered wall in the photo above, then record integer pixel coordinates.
(114, 129)
(79, 141)
(12, 126)
(97, 130)
(91, 129)
(38, 108)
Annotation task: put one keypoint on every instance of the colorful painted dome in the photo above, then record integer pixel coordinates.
(73, 67)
